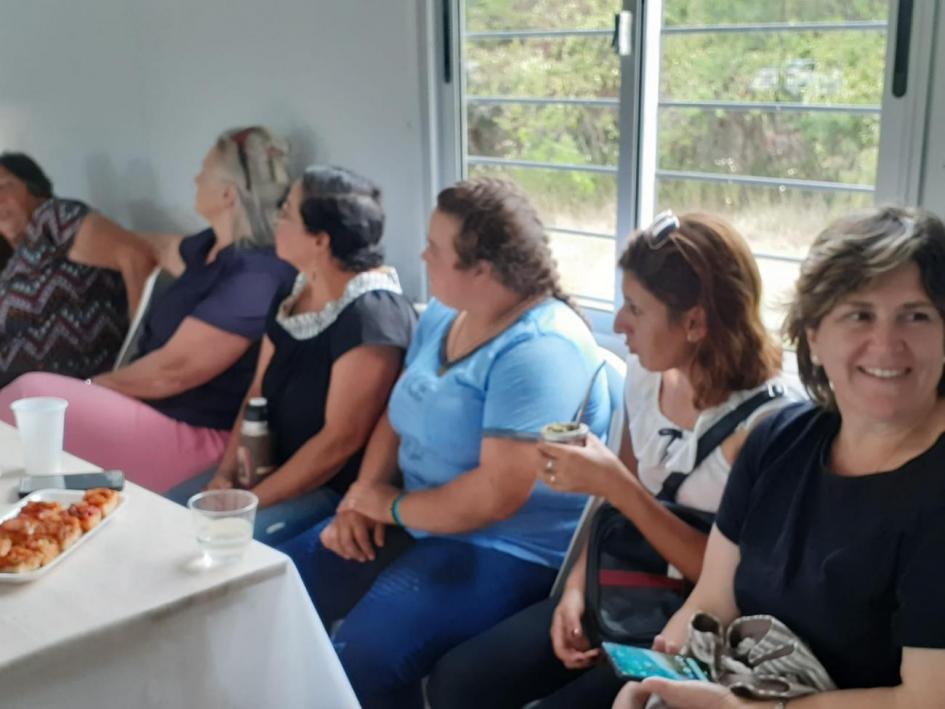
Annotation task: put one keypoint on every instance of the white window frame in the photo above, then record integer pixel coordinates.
(904, 137)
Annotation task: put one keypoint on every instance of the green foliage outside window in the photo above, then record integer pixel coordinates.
(840, 67)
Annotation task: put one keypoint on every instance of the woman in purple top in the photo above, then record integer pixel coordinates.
(166, 416)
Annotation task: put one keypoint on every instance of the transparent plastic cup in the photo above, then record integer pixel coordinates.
(223, 523)
(41, 421)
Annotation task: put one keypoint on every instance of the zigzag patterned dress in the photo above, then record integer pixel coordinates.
(57, 315)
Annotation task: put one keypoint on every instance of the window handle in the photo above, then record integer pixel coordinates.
(622, 41)
(900, 80)
(447, 21)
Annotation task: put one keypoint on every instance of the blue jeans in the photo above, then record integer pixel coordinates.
(276, 523)
(413, 603)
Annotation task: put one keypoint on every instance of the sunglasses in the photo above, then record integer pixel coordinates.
(239, 139)
(658, 233)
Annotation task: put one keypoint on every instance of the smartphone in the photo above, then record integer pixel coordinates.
(636, 663)
(113, 479)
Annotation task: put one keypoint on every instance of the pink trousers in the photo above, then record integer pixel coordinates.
(117, 432)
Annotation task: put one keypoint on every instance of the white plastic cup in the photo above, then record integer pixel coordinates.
(223, 523)
(41, 421)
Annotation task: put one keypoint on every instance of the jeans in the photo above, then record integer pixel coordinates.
(415, 601)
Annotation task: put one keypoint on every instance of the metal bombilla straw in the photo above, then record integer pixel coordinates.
(587, 394)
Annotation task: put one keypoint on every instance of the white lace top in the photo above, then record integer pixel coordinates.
(304, 326)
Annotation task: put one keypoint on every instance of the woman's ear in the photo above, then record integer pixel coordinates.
(811, 334)
(230, 194)
(482, 269)
(322, 241)
(695, 324)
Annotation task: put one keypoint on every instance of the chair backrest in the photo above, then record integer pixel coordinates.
(616, 370)
(155, 284)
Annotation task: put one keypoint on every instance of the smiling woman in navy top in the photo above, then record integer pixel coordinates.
(335, 340)
(833, 519)
(167, 416)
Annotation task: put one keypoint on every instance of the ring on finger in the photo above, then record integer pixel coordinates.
(550, 466)
(552, 478)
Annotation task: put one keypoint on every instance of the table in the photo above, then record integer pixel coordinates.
(131, 621)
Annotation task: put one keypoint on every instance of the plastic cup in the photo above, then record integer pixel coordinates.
(570, 432)
(41, 422)
(223, 523)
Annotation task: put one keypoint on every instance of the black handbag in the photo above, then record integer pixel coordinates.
(629, 596)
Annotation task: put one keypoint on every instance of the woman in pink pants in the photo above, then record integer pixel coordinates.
(165, 417)
(118, 432)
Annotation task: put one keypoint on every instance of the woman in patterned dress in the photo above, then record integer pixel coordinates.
(71, 282)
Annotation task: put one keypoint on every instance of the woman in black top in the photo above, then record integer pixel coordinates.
(833, 520)
(333, 348)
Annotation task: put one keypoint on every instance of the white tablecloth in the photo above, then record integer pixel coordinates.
(130, 621)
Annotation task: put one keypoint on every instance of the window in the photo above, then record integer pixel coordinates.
(540, 100)
(768, 114)
(772, 114)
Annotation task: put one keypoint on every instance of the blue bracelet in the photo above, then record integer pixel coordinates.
(395, 509)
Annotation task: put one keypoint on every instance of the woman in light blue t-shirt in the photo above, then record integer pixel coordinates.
(469, 536)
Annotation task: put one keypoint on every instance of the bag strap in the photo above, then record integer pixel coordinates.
(718, 432)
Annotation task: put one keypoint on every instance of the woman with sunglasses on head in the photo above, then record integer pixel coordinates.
(833, 520)
(469, 535)
(166, 416)
(334, 345)
(72, 280)
(698, 351)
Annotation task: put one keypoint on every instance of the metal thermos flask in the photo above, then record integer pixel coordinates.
(254, 454)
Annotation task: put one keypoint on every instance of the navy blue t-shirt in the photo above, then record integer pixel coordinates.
(854, 565)
(296, 381)
(233, 293)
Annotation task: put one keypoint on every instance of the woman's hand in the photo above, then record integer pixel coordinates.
(567, 634)
(591, 468)
(371, 499)
(353, 536)
(225, 476)
(678, 695)
(221, 480)
(663, 644)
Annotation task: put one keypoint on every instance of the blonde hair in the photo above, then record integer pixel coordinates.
(255, 160)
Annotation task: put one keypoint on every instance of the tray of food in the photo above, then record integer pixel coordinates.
(49, 525)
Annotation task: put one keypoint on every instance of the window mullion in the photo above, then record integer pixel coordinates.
(903, 130)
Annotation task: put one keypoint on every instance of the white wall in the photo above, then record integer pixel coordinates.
(120, 99)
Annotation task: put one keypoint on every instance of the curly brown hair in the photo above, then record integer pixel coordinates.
(499, 225)
(707, 263)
